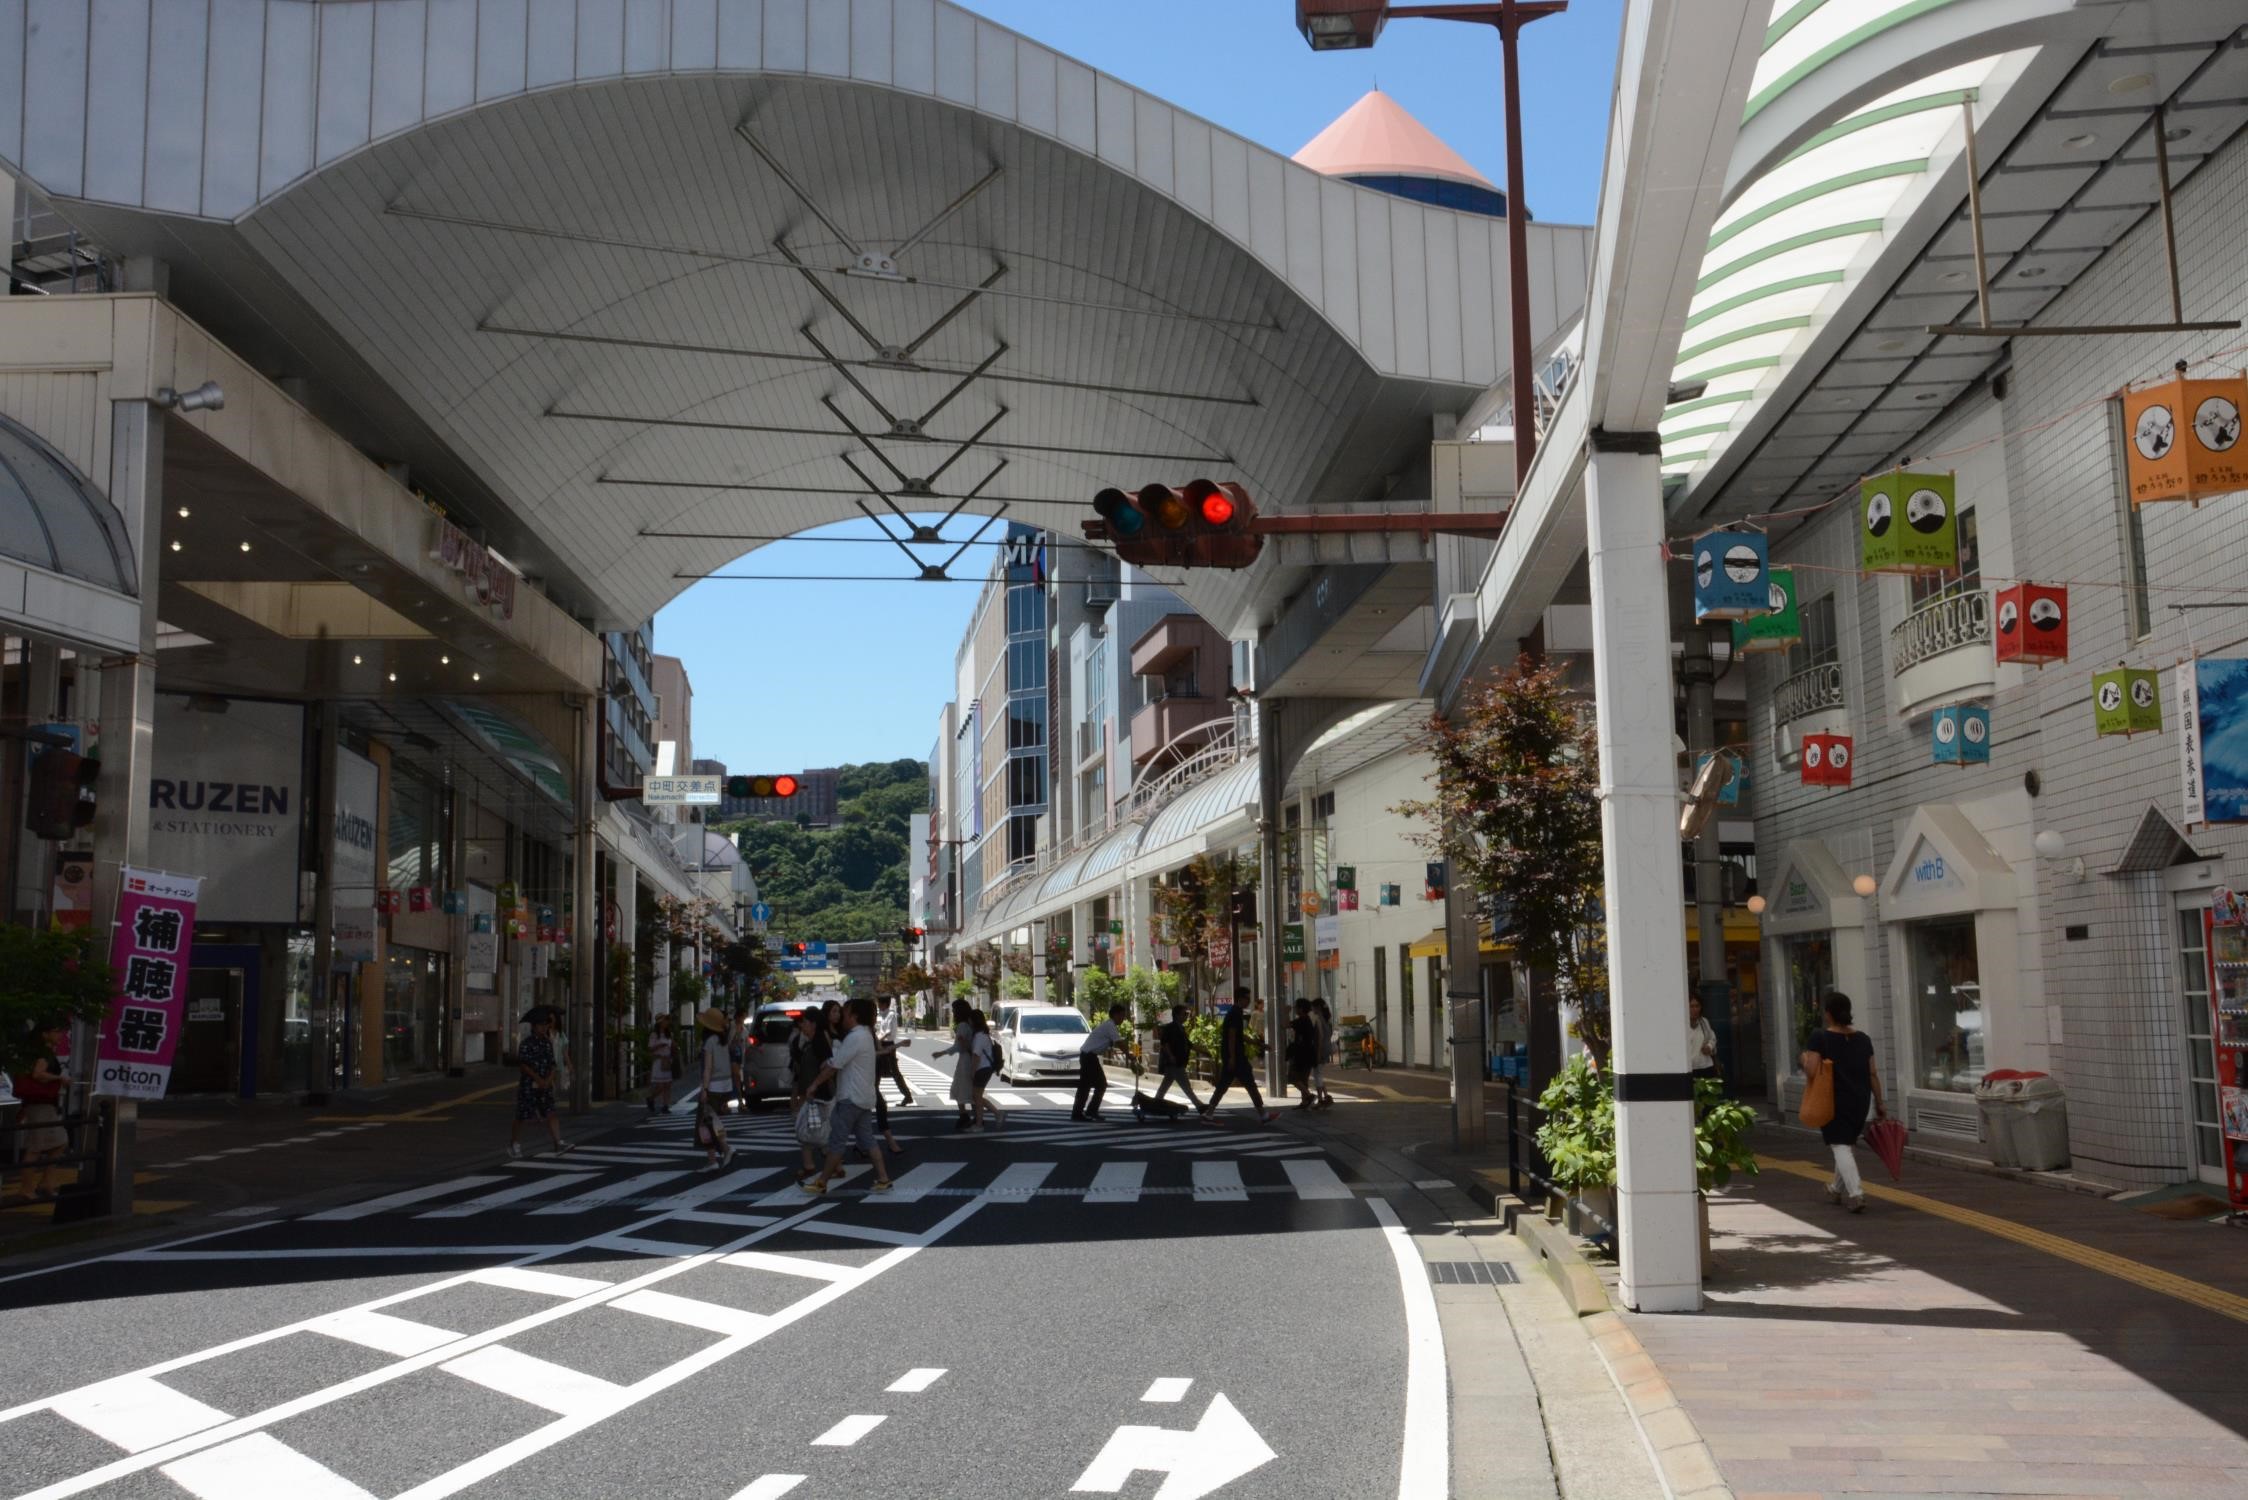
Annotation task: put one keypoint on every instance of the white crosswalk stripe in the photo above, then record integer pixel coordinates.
(1117, 1182)
(1216, 1181)
(536, 1187)
(400, 1200)
(593, 1198)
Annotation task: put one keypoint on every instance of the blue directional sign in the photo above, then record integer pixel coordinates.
(816, 949)
(761, 912)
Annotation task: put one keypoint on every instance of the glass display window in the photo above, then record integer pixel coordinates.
(1947, 1005)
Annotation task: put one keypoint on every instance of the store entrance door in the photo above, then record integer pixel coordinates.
(209, 1060)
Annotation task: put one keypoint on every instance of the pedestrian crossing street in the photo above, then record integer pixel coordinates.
(674, 1181)
(1025, 1124)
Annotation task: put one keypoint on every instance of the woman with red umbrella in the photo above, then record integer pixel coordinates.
(1848, 1052)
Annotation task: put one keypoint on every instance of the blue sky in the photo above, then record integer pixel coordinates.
(813, 673)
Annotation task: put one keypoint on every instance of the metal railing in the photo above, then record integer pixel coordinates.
(1813, 690)
(1222, 750)
(1945, 623)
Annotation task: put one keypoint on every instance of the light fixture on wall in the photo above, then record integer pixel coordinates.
(2050, 843)
(1756, 905)
(1865, 885)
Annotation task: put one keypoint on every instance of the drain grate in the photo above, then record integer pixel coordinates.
(1471, 1272)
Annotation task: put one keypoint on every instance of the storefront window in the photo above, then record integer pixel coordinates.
(1947, 1004)
(413, 999)
(296, 1014)
(2201, 1051)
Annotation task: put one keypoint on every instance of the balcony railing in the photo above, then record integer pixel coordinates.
(1942, 624)
(1813, 690)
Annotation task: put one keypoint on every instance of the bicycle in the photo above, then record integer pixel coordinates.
(1371, 1053)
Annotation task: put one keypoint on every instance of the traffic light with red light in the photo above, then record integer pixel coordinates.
(761, 786)
(1204, 523)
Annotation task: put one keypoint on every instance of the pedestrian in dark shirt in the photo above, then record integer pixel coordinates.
(1857, 1089)
(534, 1088)
(1234, 1063)
(1172, 1051)
(1303, 1048)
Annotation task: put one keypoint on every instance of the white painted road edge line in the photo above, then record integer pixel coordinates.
(1425, 1472)
(847, 1432)
(770, 1487)
(1169, 1388)
(916, 1380)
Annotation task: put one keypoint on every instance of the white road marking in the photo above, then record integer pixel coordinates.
(1056, 1096)
(400, 1200)
(770, 1487)
(135, 1412)
(500, 1199)
(1426, 1471)
(693, 1312)
(374, 1330)
(1218, 1181)
(1169, 1388)
(1220, 1449)
(710, 1189)
(329, 1252)
(720, 1216)
(593, 1198)
(791, 1265)
(913, 1186)
(848, 1431)
(244, 1213)
(865, 1232)
(916, 1380)
(541, 1382)
(796, 1196)
(259, 1467)
(1117, 1182)
(1020, 1180)
(524, 1279)
(1314, 1179)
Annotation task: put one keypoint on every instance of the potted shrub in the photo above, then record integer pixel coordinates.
(1579, 1141)
(1721, 1147)
(46, 974)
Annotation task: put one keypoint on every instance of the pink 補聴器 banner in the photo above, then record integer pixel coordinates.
(148, 954)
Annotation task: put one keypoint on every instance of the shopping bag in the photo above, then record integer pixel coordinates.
(1887, 1138)
(1818, 1096)
(811, 1123)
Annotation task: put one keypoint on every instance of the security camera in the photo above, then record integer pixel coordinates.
(205, 397)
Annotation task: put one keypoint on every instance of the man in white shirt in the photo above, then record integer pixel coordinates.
(852, 1066)
(1092, 1078)
(886, 1050)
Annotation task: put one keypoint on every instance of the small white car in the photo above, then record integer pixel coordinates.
(1041, 1041)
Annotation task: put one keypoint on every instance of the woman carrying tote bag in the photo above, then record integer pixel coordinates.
(1844, 1086)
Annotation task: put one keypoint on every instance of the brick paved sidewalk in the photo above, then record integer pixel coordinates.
(1965, 1335)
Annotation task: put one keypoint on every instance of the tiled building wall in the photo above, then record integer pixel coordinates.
(2105, 1002)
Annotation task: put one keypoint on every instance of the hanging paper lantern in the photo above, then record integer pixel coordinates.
(1826, 759)
(2127, 700)
(386, 901)
(2030, 623)
(1908, 523)
(1779, 629)
(1961, 735)
(1730, 571)
(2183, 439)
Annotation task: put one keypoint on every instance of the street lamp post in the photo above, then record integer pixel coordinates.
(1341, 25)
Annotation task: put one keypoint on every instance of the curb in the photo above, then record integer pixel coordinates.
(1689, 1470)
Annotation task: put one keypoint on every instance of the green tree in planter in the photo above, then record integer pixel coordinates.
(1579, 1133)
(1015, 987)
(1721, 1131)
(47, 975)
(1517, 811)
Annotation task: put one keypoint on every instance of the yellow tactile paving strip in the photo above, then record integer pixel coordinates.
(2137, 1273)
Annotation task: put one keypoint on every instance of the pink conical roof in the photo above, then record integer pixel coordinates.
(1376, 137)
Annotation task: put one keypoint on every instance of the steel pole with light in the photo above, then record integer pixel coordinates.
(1342, 26)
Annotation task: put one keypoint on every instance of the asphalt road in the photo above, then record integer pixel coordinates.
(1046, 1309)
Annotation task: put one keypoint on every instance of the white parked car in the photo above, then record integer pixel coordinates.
(1040, 1041)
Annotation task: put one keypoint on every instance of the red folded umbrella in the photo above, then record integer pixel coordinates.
(1887, 1138)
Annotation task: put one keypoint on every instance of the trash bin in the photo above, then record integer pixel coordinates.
(2025, 1119)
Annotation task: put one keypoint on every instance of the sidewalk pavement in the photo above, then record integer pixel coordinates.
(1967, 1335)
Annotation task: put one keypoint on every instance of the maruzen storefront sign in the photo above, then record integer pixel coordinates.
(486, 579)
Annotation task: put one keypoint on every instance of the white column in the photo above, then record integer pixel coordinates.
(1657, 1226)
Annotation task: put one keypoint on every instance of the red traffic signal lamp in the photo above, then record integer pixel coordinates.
(1202, 524)
(761, 786)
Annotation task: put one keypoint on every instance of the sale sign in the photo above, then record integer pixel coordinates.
(148, 953)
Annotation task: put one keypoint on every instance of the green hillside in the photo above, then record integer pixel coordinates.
(848, 882)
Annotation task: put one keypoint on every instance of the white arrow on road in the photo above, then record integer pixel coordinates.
(1221, 1448)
